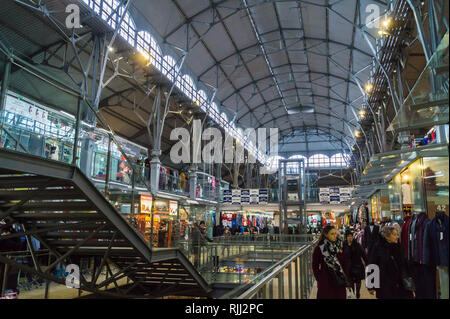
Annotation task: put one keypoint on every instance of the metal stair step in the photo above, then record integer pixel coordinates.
(60, 243)
(60, 216)
(42, 195)
(26, 181)
(52, 206)
(83, 234)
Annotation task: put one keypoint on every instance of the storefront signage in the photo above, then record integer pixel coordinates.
(335, 195)
(173, 208)
(245, 196)
(227, 196)
(146, 204)
(162, 206)
(236, 197)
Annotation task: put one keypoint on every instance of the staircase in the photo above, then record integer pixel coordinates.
(58, 205)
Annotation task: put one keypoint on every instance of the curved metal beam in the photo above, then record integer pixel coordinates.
(318, 113)
(189, 19)
(307, 128)
(285, 65)
(331, 132)
(314, 95)
(269, 53)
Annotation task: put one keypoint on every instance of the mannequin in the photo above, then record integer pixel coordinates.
(371, 236)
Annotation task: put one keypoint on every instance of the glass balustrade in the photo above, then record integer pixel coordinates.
(289, 278)
(115, 166)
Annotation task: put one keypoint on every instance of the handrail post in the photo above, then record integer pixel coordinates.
(297, 295)
(108, 167)
(77, 132)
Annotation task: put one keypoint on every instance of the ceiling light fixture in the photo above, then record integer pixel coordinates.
(387, 22)
(362, 113)
(368, 88)
(145, 55)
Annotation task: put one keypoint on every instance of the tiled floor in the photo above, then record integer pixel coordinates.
(364, 292)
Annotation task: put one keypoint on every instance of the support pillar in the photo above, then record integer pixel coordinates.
(218, 192)
(5, 83)
(236, 175)
(155, 171)
(442, 134)
(193, 181)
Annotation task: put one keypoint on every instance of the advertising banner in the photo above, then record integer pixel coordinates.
(146, 204)
(245, 196)
(173, 208)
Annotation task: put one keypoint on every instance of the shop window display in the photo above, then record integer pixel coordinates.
(375, 207)
(435, 180)
(412, 187)
(394, 193)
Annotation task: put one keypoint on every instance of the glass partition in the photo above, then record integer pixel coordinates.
(395, 199)
(412, 188)
(206, 186)
(427, 104)
(117, 167)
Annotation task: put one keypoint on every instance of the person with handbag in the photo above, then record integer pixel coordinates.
(328, 265)
(387, 254)
(355, 258)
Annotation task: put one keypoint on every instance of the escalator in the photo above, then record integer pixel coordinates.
(58, 205)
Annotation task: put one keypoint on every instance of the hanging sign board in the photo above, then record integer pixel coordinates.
(146, 204)
(245, 196)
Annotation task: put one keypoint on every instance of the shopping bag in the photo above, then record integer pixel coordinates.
(350, 294)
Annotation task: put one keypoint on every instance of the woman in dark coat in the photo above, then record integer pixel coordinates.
(387, 254)
(354, 258)
(328, 266)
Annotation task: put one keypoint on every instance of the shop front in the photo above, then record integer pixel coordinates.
(241, 221)
(421, 186)
(314, 220)
(158, 220)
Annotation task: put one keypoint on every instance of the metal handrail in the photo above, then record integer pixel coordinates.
(277, 269)
(15, 139)
(250, 289)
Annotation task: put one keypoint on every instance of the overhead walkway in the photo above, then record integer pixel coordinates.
(57, 204)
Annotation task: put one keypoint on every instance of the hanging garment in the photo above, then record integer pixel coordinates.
(426, 254)
(424, 277)
(183, 180)
(371, 236)
(418, 237)
(439, 239)
(410, 236)
(404, 235)
(233, 220)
